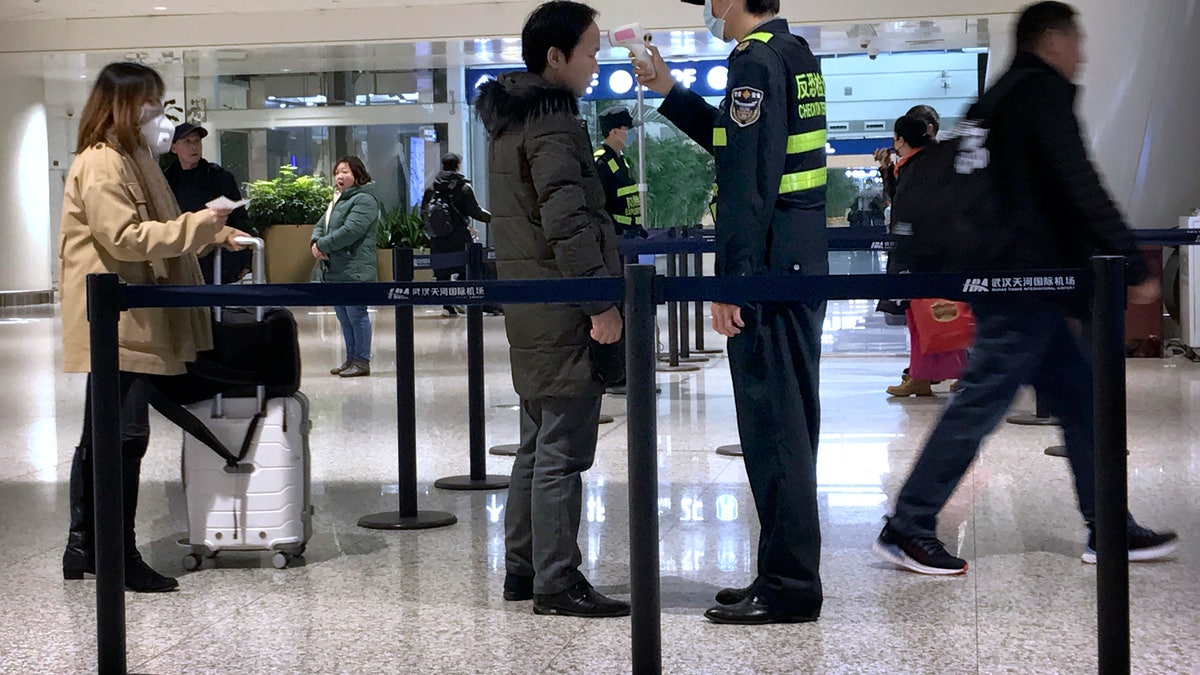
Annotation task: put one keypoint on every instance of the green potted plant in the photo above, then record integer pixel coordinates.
(399, 228)
(283, 211)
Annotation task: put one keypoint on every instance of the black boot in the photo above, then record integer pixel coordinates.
(139, 577)
(79, 558)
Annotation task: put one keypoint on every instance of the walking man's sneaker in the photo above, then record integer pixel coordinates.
(923, 555)
(1144, 544)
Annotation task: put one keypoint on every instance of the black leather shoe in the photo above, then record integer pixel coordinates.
(732, 596)
(517, 587)
(579, 600)
(753, 611)
(141, 578)
(357, 369)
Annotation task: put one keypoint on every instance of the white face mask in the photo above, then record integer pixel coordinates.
(716, 25)
(158, 132)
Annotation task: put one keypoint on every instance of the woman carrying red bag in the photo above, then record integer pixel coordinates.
(938, 348)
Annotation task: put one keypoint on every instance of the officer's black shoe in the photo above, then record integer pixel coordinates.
(753, 611)
(732, 596)
(517, 587)
(579, 600)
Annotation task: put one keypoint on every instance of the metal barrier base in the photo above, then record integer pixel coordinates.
(1056, 451)
(392, 520)
(734, 450)
(607, 419)
(467, 483)
(714, 350)
(685, 359)
(681, 368)
(504, 450)
(1032, 420)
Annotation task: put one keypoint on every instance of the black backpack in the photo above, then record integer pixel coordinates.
(946, 215)
(440, 215)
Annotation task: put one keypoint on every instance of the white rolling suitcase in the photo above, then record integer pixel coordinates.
(262, 504)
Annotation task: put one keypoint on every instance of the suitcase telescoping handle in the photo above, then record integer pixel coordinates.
(259, 276)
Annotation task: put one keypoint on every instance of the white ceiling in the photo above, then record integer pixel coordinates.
(844, 38)
(30, 10)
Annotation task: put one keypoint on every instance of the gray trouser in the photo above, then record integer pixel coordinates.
(545, 495)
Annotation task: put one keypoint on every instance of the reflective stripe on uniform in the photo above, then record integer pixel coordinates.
(627, 190)
(612, 166)
(807, 142)
(598, 153)
(761, 37)
(801, 181)
(719, 137)
(623, 220)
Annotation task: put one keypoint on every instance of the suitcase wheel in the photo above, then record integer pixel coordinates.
(192, 562)
(281, 560)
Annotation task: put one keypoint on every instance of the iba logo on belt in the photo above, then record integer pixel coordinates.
(747, 106)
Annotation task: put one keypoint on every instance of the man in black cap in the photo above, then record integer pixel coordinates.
(768, 139)
(621, 198)
(197, 181)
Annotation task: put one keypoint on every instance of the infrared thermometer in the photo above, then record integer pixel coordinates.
(631, 37)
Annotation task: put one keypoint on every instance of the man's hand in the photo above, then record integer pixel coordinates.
(1146, 293)
(662, 81)
(317, 253)
(727, 319)
(606, 326)
(230, 243)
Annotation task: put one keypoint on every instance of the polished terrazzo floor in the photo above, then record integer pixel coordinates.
(430, 601)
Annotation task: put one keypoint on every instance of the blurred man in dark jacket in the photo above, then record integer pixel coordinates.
(1058, 213)
(197, 181)
(550, 224)
(456, 191)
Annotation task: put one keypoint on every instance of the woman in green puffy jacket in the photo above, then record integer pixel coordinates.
(344, 243)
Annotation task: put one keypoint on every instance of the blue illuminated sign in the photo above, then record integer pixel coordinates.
(615, 81)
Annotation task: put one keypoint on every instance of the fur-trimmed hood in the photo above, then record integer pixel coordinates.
(514, 99)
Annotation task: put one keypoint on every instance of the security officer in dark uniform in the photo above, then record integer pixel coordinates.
(621, 198)
(768, 137)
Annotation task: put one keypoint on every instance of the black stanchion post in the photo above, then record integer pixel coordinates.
(478, 478)
(643, 469)
(701, 319)
(684, 348)
(1040, 418)
(408, 517)
(1112, 496)
(672, 362)
(104, 311)
(672, 317)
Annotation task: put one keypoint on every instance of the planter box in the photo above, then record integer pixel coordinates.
(288, 250)
(383, 264)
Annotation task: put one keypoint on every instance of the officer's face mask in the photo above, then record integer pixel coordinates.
(716, 25)
(157, 130)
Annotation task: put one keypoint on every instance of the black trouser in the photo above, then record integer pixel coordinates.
(775, 364)
(135, 436)
(1015, 344)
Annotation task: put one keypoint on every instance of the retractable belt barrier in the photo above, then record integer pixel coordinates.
(640, 291)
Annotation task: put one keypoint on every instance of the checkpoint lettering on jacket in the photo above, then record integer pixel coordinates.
(747, 105)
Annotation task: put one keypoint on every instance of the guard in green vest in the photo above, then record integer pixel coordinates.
(768, 140)
(621, 198)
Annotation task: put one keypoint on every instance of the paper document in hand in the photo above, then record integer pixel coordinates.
(224, 203)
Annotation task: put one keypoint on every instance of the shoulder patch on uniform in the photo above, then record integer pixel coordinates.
(598, 153)
(745, 105)
(742, 46)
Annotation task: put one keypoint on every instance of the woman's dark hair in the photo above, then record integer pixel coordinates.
(554, 24)
(912, 131)
(115, 105)
(1040, 17)
(361, 177)
(927, 115)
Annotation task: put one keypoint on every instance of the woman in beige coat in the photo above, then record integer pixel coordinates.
(120, 216)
